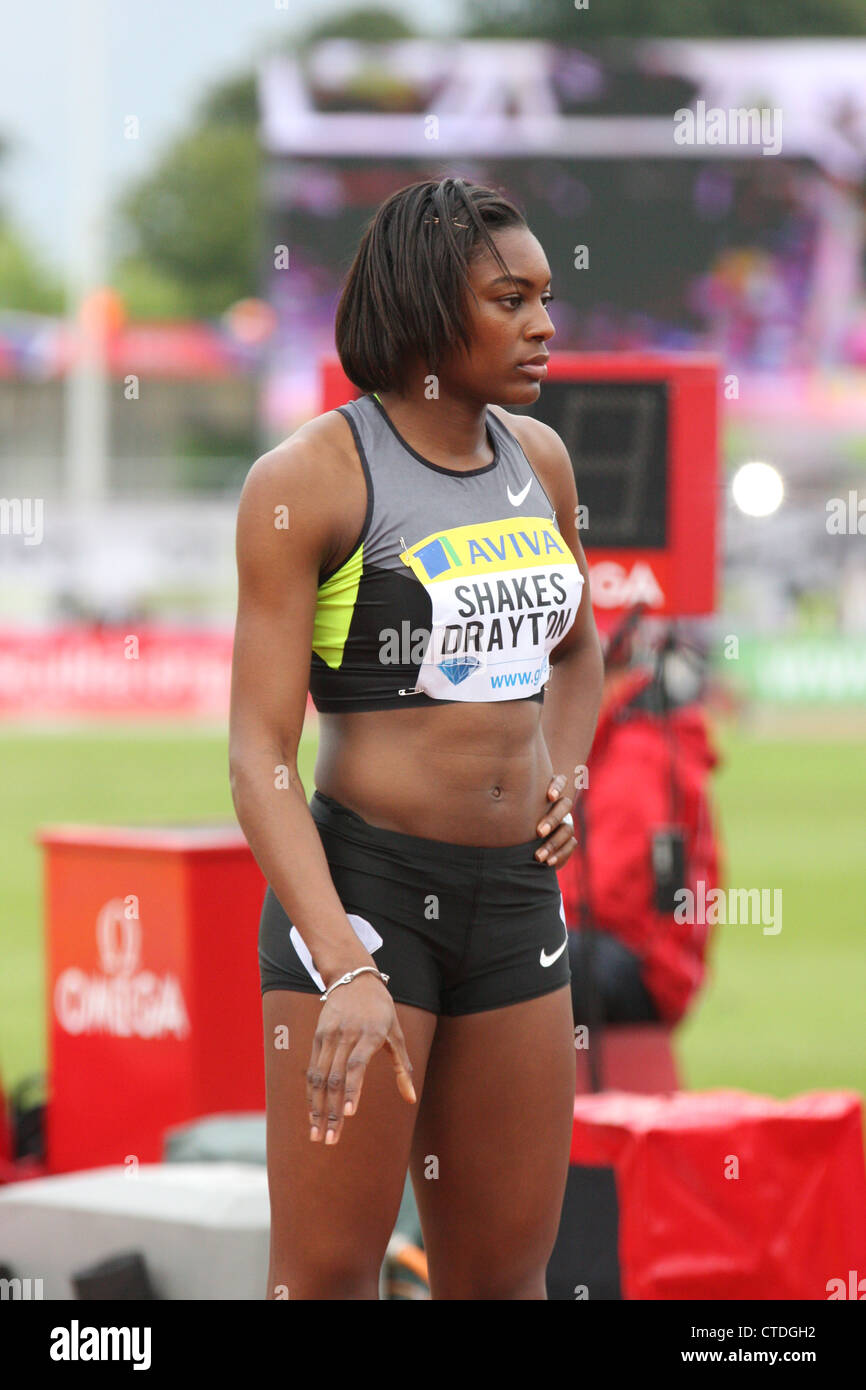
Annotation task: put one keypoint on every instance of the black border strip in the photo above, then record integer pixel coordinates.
(368, 480)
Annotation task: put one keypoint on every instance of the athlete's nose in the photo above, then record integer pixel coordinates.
(543, 329)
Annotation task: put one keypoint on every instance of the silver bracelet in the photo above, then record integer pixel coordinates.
(345, 979)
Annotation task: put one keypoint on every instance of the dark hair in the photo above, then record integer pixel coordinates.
(404, 293)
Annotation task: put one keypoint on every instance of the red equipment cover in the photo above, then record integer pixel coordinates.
(724, 1194)
(154, 1009)
(628, 797)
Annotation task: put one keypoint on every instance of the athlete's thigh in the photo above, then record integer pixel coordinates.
(333, 1207)
(497, 1118)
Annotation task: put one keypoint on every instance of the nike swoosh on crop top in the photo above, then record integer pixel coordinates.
(453, 590)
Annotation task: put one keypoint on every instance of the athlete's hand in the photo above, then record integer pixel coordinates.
(356, 1020)
(560, 841)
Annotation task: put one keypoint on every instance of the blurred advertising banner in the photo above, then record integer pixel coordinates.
(99, 671)
(800, 670)
(159, 671)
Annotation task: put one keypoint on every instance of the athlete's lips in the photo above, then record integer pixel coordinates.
(536, 367)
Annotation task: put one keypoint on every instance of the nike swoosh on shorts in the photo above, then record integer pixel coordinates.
(548, 960)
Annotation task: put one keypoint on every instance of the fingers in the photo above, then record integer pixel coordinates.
(326, 1082)
(554, 814)
(364, 1049)
(335, 1087)
(556, 785)
(562, 844)
(324, 1046)
(561, 841)
(355, 1070)
(402, 1066)
(335, 1076)
(366, 1046)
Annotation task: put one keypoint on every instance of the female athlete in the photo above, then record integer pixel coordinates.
(412, 560)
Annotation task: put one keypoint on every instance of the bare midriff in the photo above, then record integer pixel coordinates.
(471, 774)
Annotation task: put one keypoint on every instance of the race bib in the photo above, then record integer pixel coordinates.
(502, 596)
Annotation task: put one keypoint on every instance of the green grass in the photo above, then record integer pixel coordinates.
(780, 1015)
(784, 1014)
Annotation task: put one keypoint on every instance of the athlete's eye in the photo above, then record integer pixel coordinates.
(515, 300)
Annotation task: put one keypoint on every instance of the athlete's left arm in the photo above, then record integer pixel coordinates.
(574, 691)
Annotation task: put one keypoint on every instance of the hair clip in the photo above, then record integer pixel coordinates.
(453, 219)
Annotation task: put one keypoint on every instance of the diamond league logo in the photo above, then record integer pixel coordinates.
(457, 668)
(121, 999)
(456, 665)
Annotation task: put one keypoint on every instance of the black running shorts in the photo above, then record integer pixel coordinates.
(459, 928)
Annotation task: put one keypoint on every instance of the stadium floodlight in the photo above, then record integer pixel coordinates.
(758, 489)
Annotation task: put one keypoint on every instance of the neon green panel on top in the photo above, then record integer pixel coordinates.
(335, 605)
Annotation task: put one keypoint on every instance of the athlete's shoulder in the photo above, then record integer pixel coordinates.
(324, 436)
(544, 449)
(319, 450)
(314, 473)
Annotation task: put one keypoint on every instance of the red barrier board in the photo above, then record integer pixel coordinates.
(138, 671)
(728, 1195)
(154, 1010)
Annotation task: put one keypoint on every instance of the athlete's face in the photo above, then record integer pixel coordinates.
(508, 324)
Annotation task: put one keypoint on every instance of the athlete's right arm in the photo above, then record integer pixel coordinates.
(287, 521)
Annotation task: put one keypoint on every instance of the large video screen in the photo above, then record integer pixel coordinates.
(616, 434)
(753, 254)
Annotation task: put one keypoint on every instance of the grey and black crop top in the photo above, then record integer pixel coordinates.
(457, 588)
